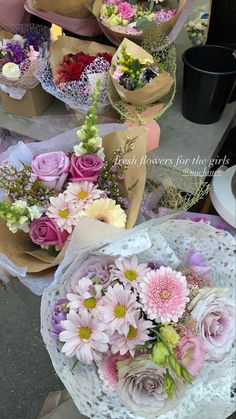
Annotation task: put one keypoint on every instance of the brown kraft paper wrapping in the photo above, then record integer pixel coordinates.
(22, 252)
(153, 91)
(66, 45)
(166, 27)
(68, 8)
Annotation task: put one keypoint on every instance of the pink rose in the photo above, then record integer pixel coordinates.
(190, 352)
(214, 314)
(125, 10)
(45, 232)
(86, 167)
(52, 169)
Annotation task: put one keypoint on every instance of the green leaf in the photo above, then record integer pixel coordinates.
(74, 365)
(143, 24)
(136, 65)
(52, 251)
(133, 2)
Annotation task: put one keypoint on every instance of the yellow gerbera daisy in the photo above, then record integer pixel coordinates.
(107, 211)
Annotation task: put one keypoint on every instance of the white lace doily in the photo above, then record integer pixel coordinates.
(209, 396)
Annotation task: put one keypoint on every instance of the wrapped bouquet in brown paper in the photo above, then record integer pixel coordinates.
(50, 185)
(136, 19)
(69, 8)
(137, 77)
(73, 69)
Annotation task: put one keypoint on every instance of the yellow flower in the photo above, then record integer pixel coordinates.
(170, 335)
(107, 211)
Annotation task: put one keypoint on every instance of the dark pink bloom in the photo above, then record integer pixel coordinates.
(86, 167)
(45, 232)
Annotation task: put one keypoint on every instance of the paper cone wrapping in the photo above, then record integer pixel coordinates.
(153, 91)
(18, 247)
(117, 36)
(66, 45)
(67, 8)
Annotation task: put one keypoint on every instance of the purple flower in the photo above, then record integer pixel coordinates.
(60, 312)
(195, 261)
(17, 53)
(100, 271)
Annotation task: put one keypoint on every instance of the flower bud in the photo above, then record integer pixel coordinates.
(160, 354)
(185, 373)
(174, 365)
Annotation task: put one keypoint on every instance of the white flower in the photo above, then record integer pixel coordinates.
(79, 150)
(35, 212)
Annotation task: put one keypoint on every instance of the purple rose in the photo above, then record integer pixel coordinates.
(126, 11)
(190, 352)
(59, 313)
(195, 261)
(86, 167)
(52, 169)
(45, 232)
(214, 314)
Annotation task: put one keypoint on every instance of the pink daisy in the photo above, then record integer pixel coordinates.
(66, 215)
(119, 309)
(81, 193)
(84, 337)
(107, 369)
(87, 296)
(136, 336)
(129, 271)
(164, 295)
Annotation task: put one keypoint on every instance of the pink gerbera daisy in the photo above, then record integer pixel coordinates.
(81, 193)
(107, 369)
(119, 309)
(164, 295)
(129, 271)
(87, 296)
(85, 337)
(66, 215)
(136, 336)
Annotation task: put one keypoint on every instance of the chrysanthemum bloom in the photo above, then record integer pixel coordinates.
(87, 296)
(119, 309)
(164, 295)
(107, 211)
(129, 271)
(85, 337)
(136, 336)
(81, 193)
(107, 369)
(65, 214)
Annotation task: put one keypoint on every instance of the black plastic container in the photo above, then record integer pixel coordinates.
(209, 79)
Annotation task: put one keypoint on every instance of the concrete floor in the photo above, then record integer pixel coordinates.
(26, 373)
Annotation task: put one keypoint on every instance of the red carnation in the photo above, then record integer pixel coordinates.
(72, 67)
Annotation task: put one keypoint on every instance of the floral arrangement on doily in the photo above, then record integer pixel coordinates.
(75, 67)
(20, 49)
(147, 327)
(134, 17)
(47, 197)
(72, 70)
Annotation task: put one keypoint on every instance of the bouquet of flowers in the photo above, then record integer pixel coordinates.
(21, 47)
(47, 193)
(137, 77)
(197, 29)
(71, 8)
(134, 19)
(140, 323)
(73, 69)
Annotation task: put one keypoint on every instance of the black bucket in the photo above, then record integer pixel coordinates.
(209, 79)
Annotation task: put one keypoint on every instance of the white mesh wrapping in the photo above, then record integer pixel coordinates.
(209, 396)
(78, 94)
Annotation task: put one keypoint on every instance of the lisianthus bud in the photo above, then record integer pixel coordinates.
(169, 385)
(185, 373)
(174, 365)
(160, 354)
(170, 335)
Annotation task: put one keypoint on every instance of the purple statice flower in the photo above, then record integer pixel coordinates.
(153, 265)
(100, 271)
(18, 54)
(195, 261)
(59, 313)
(34, 38)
